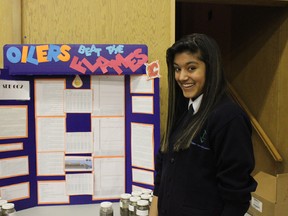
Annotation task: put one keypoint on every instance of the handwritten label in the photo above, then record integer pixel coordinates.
(14, 90)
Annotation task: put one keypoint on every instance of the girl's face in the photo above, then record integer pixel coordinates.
(189, 74)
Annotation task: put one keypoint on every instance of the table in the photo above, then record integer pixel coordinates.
(67, 210)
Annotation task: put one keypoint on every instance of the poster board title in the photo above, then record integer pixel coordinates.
(75, 59)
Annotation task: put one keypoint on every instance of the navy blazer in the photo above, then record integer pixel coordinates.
(211, 177)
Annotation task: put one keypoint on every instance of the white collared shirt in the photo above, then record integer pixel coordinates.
(196, 103)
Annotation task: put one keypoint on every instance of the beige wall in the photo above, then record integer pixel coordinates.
(10, 24)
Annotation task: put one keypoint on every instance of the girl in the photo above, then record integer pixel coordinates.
(206, 157)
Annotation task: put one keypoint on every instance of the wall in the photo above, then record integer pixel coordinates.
(10, 24)
(255, 50)
(259, 61)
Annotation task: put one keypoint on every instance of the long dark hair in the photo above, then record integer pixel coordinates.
(214, 88)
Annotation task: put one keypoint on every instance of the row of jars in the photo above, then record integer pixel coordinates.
(135, 204)
(7, 209)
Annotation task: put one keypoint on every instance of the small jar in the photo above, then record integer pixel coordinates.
(8, 209)
(146, 197)
(106, 209)
(132, 205)
(142, 208)
(124, 204)
(2, 202)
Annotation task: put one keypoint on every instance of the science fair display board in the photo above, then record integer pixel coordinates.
(79, 123)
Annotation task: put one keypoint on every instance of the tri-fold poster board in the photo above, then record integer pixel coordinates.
(79, 123)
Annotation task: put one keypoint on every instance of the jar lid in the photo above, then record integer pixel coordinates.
(125, 196)
(146, 191)
(145, 196)
(2, 202)
(142, 203)
(134, 199)
(106, 204)
(8, 206)
(136, 193)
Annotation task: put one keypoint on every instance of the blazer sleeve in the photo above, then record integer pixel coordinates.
(234, 163)
(158, 170)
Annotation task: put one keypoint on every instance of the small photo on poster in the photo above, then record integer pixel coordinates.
(77, 164)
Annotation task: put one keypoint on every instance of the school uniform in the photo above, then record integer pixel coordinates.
(211, 177)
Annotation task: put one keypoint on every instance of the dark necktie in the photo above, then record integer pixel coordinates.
(191, 110)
